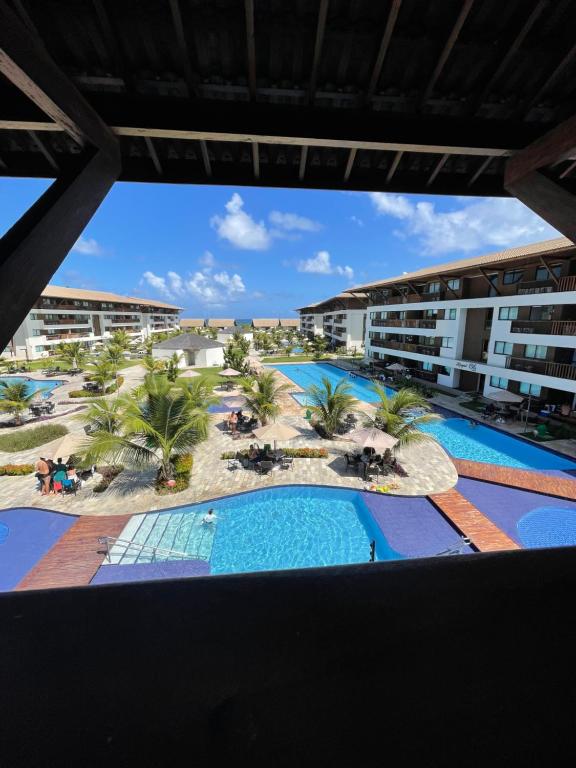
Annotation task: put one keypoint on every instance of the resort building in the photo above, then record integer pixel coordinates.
(192, 349)
(74, 314)
(264, 323)
(340, 319)
(191, 322)
(506, 320)
(219, 323)
(289, 322)
(225, 335)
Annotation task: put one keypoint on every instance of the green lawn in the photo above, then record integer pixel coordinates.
(31, 438)
(211, 374)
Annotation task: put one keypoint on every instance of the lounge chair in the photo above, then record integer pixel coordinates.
(236, 462)
(287, 462)
(542, 431)
(352, 461)
(264, 467)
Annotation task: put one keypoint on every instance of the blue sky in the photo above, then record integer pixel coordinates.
(249, 252)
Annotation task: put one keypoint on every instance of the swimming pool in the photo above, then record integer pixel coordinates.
(45, 387)
(465, 439)
(279, 528)
(313, 373)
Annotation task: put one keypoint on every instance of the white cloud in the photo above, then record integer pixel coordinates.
(207, 260)
(215, 290)
(87, 246)
(239, 228)
(357, 221)
(320, 264)
(292, 221)
(476, 224)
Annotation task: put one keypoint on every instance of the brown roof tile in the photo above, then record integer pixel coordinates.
(60, 292)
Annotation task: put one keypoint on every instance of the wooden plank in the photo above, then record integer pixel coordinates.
(76, 556)
(447, 50)
(481, 531)
(556, 145)
(482, 167)
(205, 158)
(517, 478)
(250, 47)
(549, 200)
(25, 62)
(302, 166)
(383, 50)
(43, 149)
(437, 168)
(394, 166)
(256, 160)
(320, 29)
(154, 155)
(183, 52)
(350, 164)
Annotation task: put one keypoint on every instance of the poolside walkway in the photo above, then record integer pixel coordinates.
(481, 531)
(76, 557)
(551, 485)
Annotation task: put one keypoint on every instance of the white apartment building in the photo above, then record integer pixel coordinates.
(73, 314)
(340, 319)
(505, 320)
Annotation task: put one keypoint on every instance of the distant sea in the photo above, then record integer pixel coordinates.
(243, 321)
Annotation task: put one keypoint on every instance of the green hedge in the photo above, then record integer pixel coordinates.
(31, 438)
(86, 393)
(294, 453)
(14, 470)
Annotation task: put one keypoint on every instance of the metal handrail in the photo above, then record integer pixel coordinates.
(145, 547)
(464, 542)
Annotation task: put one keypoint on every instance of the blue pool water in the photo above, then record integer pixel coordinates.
(45, 387)
(548, 527)
(466, 439)
(277, 528)
(313, 373)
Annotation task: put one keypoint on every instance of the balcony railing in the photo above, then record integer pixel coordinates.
(526, 287)
(550, 327)
(422, 349)
(543, 367)
(68, 321)
(403, 323)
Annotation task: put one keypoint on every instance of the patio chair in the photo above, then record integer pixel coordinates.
(70, 486)
(352, 461)
(236, 462)
(287, 462)
(542, 431)
(264, 467)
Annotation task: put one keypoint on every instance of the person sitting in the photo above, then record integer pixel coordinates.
(241, 417)
(209, 518)
(59, 475)
(232, 422)
(72, 477)
(253, 453)
(43, 476)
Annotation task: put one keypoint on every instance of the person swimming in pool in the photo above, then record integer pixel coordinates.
(209, 518)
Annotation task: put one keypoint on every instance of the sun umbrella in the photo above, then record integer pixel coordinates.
(503, 396)
(189, 374)
(70, 444)
(276, 432)
(230, 372)
(234, 402)
(396, 367)
(369, 437)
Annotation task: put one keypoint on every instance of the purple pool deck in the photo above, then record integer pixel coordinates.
(412, 525)
(26, 535)
(506, 506)
(176, 569)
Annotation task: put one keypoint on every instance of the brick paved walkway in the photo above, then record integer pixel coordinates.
(551, 485)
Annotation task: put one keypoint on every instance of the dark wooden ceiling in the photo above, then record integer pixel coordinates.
(399, 95)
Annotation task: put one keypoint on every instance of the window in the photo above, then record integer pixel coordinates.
(535, 351)
(430, 312)
(541, 313)
(448, 342)
(446, 371)
(508, 313)
(499, 383)
(451, 314)
(433, 287)
(453, 283)
(36, 332)
(35, 316)
(38, 349)
(503, 347)
(513, 276)
(530, 389)
(542, 273)
(427, 366)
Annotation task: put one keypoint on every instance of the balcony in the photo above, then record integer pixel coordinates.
(543, 367)
(72, 320)
(421, 349)
(527, 287)
(549, 327)
(404, 323)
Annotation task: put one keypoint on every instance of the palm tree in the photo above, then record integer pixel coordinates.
(319, 345)
(157, 424)
(114, 356)
(153, 366)
(15, 397)
(103, 416)
(199, 392)
(173, 366)
(72, 353)
(331, 404)
(395, 415)
(121, 339)
(263, 401)
(102, 373)
(235, 358)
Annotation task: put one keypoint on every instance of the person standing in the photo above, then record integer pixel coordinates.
(43, 475)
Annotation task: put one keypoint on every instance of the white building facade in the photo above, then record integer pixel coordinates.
(340, 319)
(501, 321)
(68, 314)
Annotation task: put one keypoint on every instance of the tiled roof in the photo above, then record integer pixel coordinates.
(289, 322)
(60, 292)
(191, 322)
(550, 247)
(188, 341)
(216, 322)
(265, 322)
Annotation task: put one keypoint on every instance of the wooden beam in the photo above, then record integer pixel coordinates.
(550, 272)
(205, 158)
(490, 283)
(320, 28)
(551, 79)
(113, 43)
(446, 286)
(3, 165)
(24, 61)
(437, 168)
(548, 199)
(33, 249)
(511, 51)
(480, 170)
(250, 47)
(43, 149)
(183, 53)
(256, 160)
(447, 50)
(302, 166)
(394, 166)
(350, 164)
(567, 171)
(153, 154)
(556, 145)
(383, 50)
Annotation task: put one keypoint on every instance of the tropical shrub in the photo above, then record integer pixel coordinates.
(13, 470)
(31, 438)
(330, 405)
(402, 413)
(15, 398)
(294, 453)
(108, 474)
(182, 471)
(264, 401)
